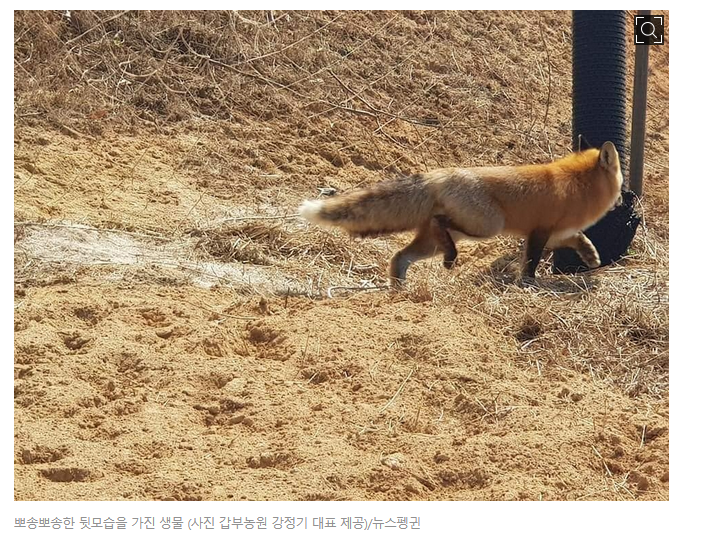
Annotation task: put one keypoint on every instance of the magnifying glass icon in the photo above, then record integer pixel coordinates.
(652, 34)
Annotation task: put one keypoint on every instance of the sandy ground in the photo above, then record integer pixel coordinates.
(179, 335)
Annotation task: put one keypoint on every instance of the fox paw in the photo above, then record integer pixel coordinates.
(592, 260)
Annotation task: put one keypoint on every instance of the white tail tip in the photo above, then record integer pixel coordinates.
(309, 209)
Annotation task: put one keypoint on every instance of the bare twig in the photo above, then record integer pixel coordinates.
(354, 288)
(71, 41)
(91, 228)
(549, 88)
(397, 393)
(290, 45)
(357, 95)
(258, 217)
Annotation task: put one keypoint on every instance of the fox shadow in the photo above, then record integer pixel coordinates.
(504, 273)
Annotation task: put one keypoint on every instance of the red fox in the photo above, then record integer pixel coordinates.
(548, 204)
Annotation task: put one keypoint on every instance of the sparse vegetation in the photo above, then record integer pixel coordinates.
(164, 290)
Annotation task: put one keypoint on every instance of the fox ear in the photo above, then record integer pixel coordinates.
(608, 156)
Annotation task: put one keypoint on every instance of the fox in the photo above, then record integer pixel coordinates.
(550, 205)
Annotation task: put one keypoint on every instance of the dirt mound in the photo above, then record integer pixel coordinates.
(181, 335)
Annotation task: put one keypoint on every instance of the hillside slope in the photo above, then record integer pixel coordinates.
(180, 334)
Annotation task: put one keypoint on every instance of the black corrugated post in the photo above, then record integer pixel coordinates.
(598, 115)
(638, 116)
(599, 91)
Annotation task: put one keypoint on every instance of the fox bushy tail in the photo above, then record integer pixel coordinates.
(389, 206)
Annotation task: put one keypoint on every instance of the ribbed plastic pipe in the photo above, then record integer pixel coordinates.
(599, 76)
(599, 92)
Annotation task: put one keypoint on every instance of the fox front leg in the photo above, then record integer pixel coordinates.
(582, 245)
(586, 250)
(534, 246)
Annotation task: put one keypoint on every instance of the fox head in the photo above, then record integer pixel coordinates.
(610, 165)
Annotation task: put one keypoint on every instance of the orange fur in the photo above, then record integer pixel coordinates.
(546, 203)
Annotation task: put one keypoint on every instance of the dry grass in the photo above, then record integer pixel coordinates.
(291, 243)
(158, 69)
(200, 132)
(611, 323)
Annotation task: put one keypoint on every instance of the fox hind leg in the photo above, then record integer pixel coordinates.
(474, 213)
(480, 219)
(423, 246)
(440, 230)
